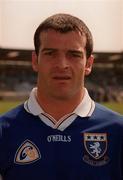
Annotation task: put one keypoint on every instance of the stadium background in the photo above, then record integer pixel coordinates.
(18, 20)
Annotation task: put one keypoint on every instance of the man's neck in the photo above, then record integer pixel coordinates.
(57, 108)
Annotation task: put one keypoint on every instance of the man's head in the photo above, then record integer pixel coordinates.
(62, 57)
(64, 23)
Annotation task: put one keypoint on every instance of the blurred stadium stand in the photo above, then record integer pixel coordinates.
(17, 77)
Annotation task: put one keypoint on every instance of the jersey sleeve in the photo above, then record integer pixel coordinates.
(3, 147)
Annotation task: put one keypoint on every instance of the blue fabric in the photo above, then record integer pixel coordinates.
(90, 148)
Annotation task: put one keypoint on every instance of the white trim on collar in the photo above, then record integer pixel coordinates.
(31, 105)
(85, 108)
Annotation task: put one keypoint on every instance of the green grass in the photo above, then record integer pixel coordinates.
(118, 107)
(7, 105)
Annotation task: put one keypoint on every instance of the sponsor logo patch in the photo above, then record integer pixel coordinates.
(27, 153)
(95, 148)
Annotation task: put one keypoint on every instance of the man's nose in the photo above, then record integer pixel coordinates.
(62, 61)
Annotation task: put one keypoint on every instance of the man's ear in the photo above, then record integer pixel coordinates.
(34, 61)
(89, 65)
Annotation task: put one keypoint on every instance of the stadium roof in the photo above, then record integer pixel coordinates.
(25, 56)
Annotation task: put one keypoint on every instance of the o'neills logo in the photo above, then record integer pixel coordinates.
(58, 138)
(27, 153)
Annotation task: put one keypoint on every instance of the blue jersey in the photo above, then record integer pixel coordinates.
(90, 148)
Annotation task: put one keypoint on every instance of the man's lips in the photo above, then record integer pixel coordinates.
(61, 77)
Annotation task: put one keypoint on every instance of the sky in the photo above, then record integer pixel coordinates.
(20, 18)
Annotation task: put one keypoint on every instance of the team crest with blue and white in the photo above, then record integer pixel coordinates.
(95, 144)
(27, 153)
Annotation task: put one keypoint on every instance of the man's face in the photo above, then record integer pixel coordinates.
(61, 64)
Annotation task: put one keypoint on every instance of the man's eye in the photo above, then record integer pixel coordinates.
(76, 55)
(49, 53)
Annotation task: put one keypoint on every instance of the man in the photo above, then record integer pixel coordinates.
(60, 133)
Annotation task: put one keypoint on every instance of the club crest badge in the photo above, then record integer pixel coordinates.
(95, 144)
(27, 153)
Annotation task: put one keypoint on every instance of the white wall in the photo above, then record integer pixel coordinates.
(104, 17)
(1, 27)
(122, 26)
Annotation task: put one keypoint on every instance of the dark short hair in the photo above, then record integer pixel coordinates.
(64, 23)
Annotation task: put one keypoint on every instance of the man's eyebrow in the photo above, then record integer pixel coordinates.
(76, 51)
(48, 49)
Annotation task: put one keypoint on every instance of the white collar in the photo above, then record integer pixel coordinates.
(85, 108)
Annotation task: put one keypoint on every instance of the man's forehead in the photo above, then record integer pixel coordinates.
(70, 37)
(48, 32)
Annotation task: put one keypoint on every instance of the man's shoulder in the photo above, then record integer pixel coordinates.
(12, 114)
(105, 113)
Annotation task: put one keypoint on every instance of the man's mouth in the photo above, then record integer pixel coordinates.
(61, 78)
